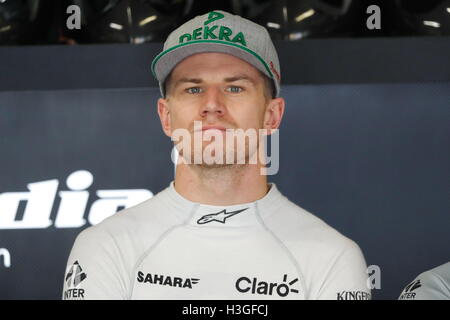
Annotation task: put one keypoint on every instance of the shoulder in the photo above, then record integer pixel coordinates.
(112, 247)
(297, 225)
(314, 243)
(432, 284)
(149, 213)
(131, 229)
(332, 265)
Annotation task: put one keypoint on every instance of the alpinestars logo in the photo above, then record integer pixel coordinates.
(166, 280)
(254, 286)
(408, 292)
(74, 277)
(220, 216)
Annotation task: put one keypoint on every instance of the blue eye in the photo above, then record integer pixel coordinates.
(235, 89)
(193, 90)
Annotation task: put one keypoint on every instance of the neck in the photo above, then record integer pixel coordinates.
(220, 186)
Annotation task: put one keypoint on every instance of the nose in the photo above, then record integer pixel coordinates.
(213, 103)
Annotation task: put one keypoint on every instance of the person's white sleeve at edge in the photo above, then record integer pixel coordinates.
(433, 284)
(93, 269)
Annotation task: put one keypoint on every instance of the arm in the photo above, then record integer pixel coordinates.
(427, 286)
(94, 268)
(346, 278)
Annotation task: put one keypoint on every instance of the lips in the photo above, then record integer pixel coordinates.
(212, 127)
(204, 128)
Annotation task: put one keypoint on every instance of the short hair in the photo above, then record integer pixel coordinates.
(269, 88)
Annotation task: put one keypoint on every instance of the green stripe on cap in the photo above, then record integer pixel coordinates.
(210, 41)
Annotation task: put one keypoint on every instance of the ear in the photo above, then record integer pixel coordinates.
(164, 116)
(274, 114)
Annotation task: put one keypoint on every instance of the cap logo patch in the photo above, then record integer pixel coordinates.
(215, 32)
(214, 16)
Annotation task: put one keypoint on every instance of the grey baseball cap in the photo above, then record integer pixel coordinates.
(219, 31)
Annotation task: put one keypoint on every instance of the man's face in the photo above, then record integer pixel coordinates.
(217, 89)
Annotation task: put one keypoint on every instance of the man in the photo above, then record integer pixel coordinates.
(433, 284)
(219, 231)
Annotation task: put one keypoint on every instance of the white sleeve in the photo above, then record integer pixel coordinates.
(94, 269)
(346, 279)
(427, 286)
